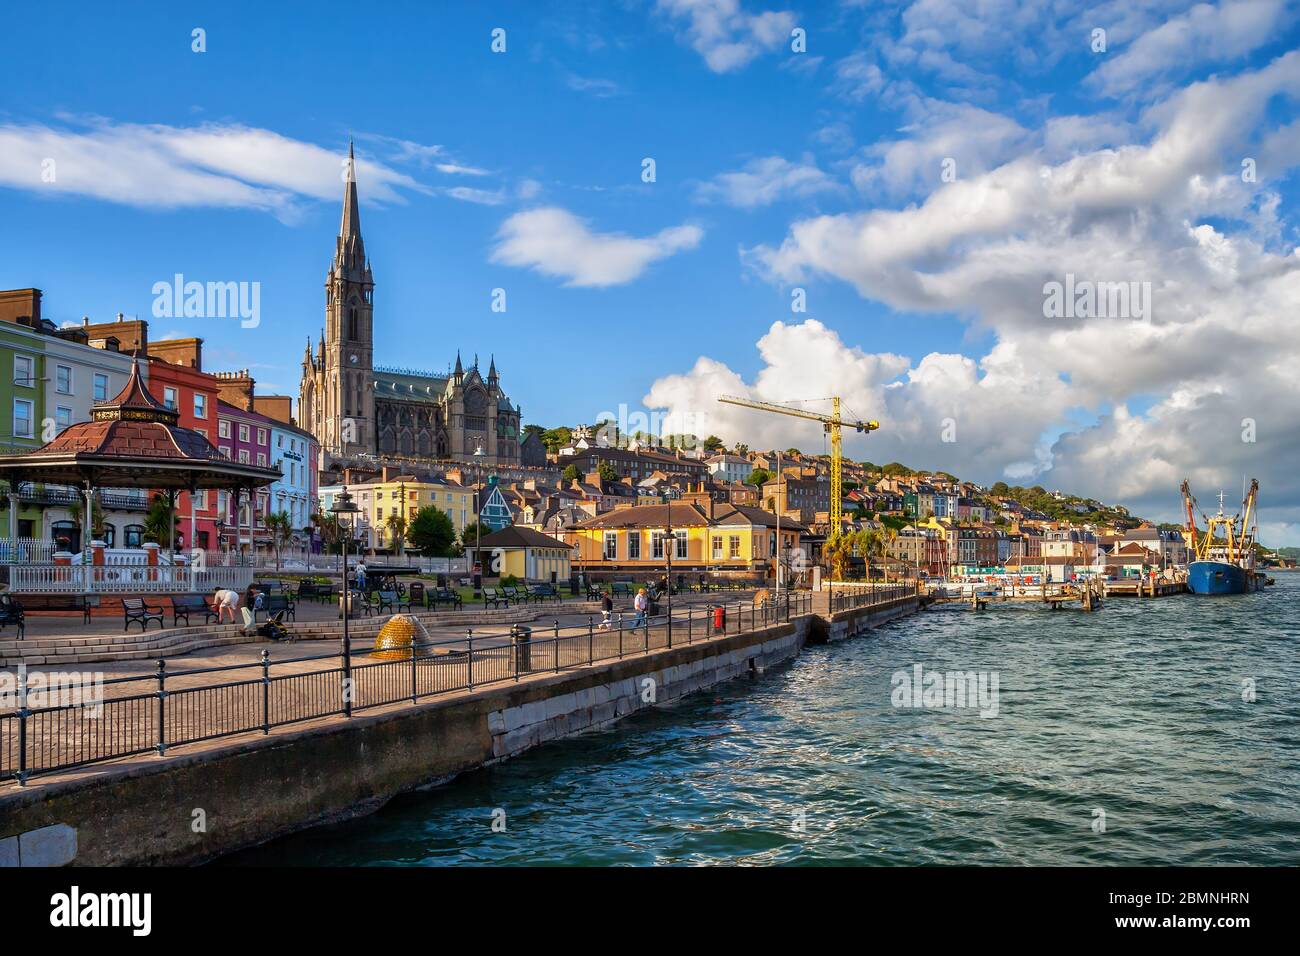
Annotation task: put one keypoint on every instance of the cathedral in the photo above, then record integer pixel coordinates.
(354, 408)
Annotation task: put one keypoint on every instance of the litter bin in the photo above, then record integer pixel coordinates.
(522, 637)
(719, 619)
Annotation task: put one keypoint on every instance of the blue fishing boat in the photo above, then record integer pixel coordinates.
(1223, 557)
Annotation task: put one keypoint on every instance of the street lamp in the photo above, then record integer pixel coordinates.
(672, 546)
(477, 567)
(344, 505)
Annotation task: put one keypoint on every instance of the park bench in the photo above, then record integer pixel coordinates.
(361, 604)
(490, 596)
(620, 589)
(516, 595)
(393, 601)
(543, 592)
(11, 612)
(445, 596)
(61, 602)
(135, 611)
(273, 604)
(183, 605)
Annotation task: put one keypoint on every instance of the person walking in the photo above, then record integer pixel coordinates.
(640, 604)
(361, 576)
(606, 612)
(225, 600)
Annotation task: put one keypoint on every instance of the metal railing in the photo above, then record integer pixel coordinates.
(869, 595)
(59, 723)
(123, 579)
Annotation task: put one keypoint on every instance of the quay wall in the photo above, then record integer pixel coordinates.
(193, 806)
(148, 811)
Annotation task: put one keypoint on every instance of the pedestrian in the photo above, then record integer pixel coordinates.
(641, 603)
(225, 600)
(606, 612)
(361, 576)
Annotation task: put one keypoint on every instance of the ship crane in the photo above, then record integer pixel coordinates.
(831, 424)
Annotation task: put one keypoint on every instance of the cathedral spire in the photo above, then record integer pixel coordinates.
(350, 257)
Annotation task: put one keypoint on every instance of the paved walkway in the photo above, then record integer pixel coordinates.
(225, 690)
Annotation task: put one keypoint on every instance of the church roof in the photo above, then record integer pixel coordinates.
(408, 385)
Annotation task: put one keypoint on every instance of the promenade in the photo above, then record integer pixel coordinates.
(80, 715)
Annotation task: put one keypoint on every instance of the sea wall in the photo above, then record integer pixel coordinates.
(198, 804)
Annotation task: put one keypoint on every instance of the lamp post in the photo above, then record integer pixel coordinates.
(672, 546)
(343, 505)
(476, 569)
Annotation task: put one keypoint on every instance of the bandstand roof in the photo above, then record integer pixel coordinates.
(133, 441)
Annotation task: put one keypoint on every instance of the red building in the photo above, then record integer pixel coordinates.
(177, 379)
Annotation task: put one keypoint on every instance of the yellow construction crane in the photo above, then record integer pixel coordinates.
(830, 423)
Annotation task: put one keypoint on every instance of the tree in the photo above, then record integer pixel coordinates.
(741, 449)
(96, 520)
(714, 444)
(396, 524)
(759, 477)
(327, 525)
(607, 472)
(432, 532)
(161, 520)
(572, 473)
(793, 451)
(281, 527)
(557, 438)
(472, 532)
(1000, 489)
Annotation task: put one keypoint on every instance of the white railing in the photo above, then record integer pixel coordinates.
(122, 579)
(25, 550)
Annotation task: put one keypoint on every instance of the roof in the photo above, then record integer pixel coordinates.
(678, 514)
(757, 516)
(514, 536)
(133, 441)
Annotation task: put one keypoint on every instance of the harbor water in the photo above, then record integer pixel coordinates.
(1155, 731)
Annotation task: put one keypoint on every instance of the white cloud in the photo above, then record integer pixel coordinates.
(725, 34)
(974, 139)
(1119, 408)
(765, 181)
(557, 243)
(173, 167)
(1207, 33)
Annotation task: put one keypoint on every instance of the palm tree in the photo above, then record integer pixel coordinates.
(396, 523)
(280, 525)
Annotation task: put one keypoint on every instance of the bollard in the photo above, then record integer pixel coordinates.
(162, 708)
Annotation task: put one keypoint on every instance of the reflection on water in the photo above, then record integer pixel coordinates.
(1135, 712)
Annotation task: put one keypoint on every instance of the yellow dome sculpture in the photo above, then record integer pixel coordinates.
(397, 636)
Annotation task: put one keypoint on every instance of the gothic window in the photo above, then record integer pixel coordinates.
(352, 323)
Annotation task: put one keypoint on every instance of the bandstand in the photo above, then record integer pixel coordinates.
(132, 441)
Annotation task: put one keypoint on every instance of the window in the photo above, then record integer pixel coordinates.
(101, 387)
(243, 456)
(200, 405)
(133, 535)
(656, 544)
(201, 500)
(733, 546)
(634, 544)
(261, 459)
(202, 431)
(63, 379)
(225, 450)
(611, 545)
(22, 418)
(681, 543)
(243, 432)
(717, 547)
(261, 436)
(24, 373)
(169, 397)
(62, 417)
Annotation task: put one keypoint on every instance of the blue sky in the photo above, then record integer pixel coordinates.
(822, 170)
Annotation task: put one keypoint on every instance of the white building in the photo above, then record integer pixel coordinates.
(729, 469)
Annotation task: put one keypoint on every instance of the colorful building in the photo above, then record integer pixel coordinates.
(245, 437)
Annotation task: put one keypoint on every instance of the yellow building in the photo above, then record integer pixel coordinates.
(706, 536)
(378, 499)
(525, 554)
